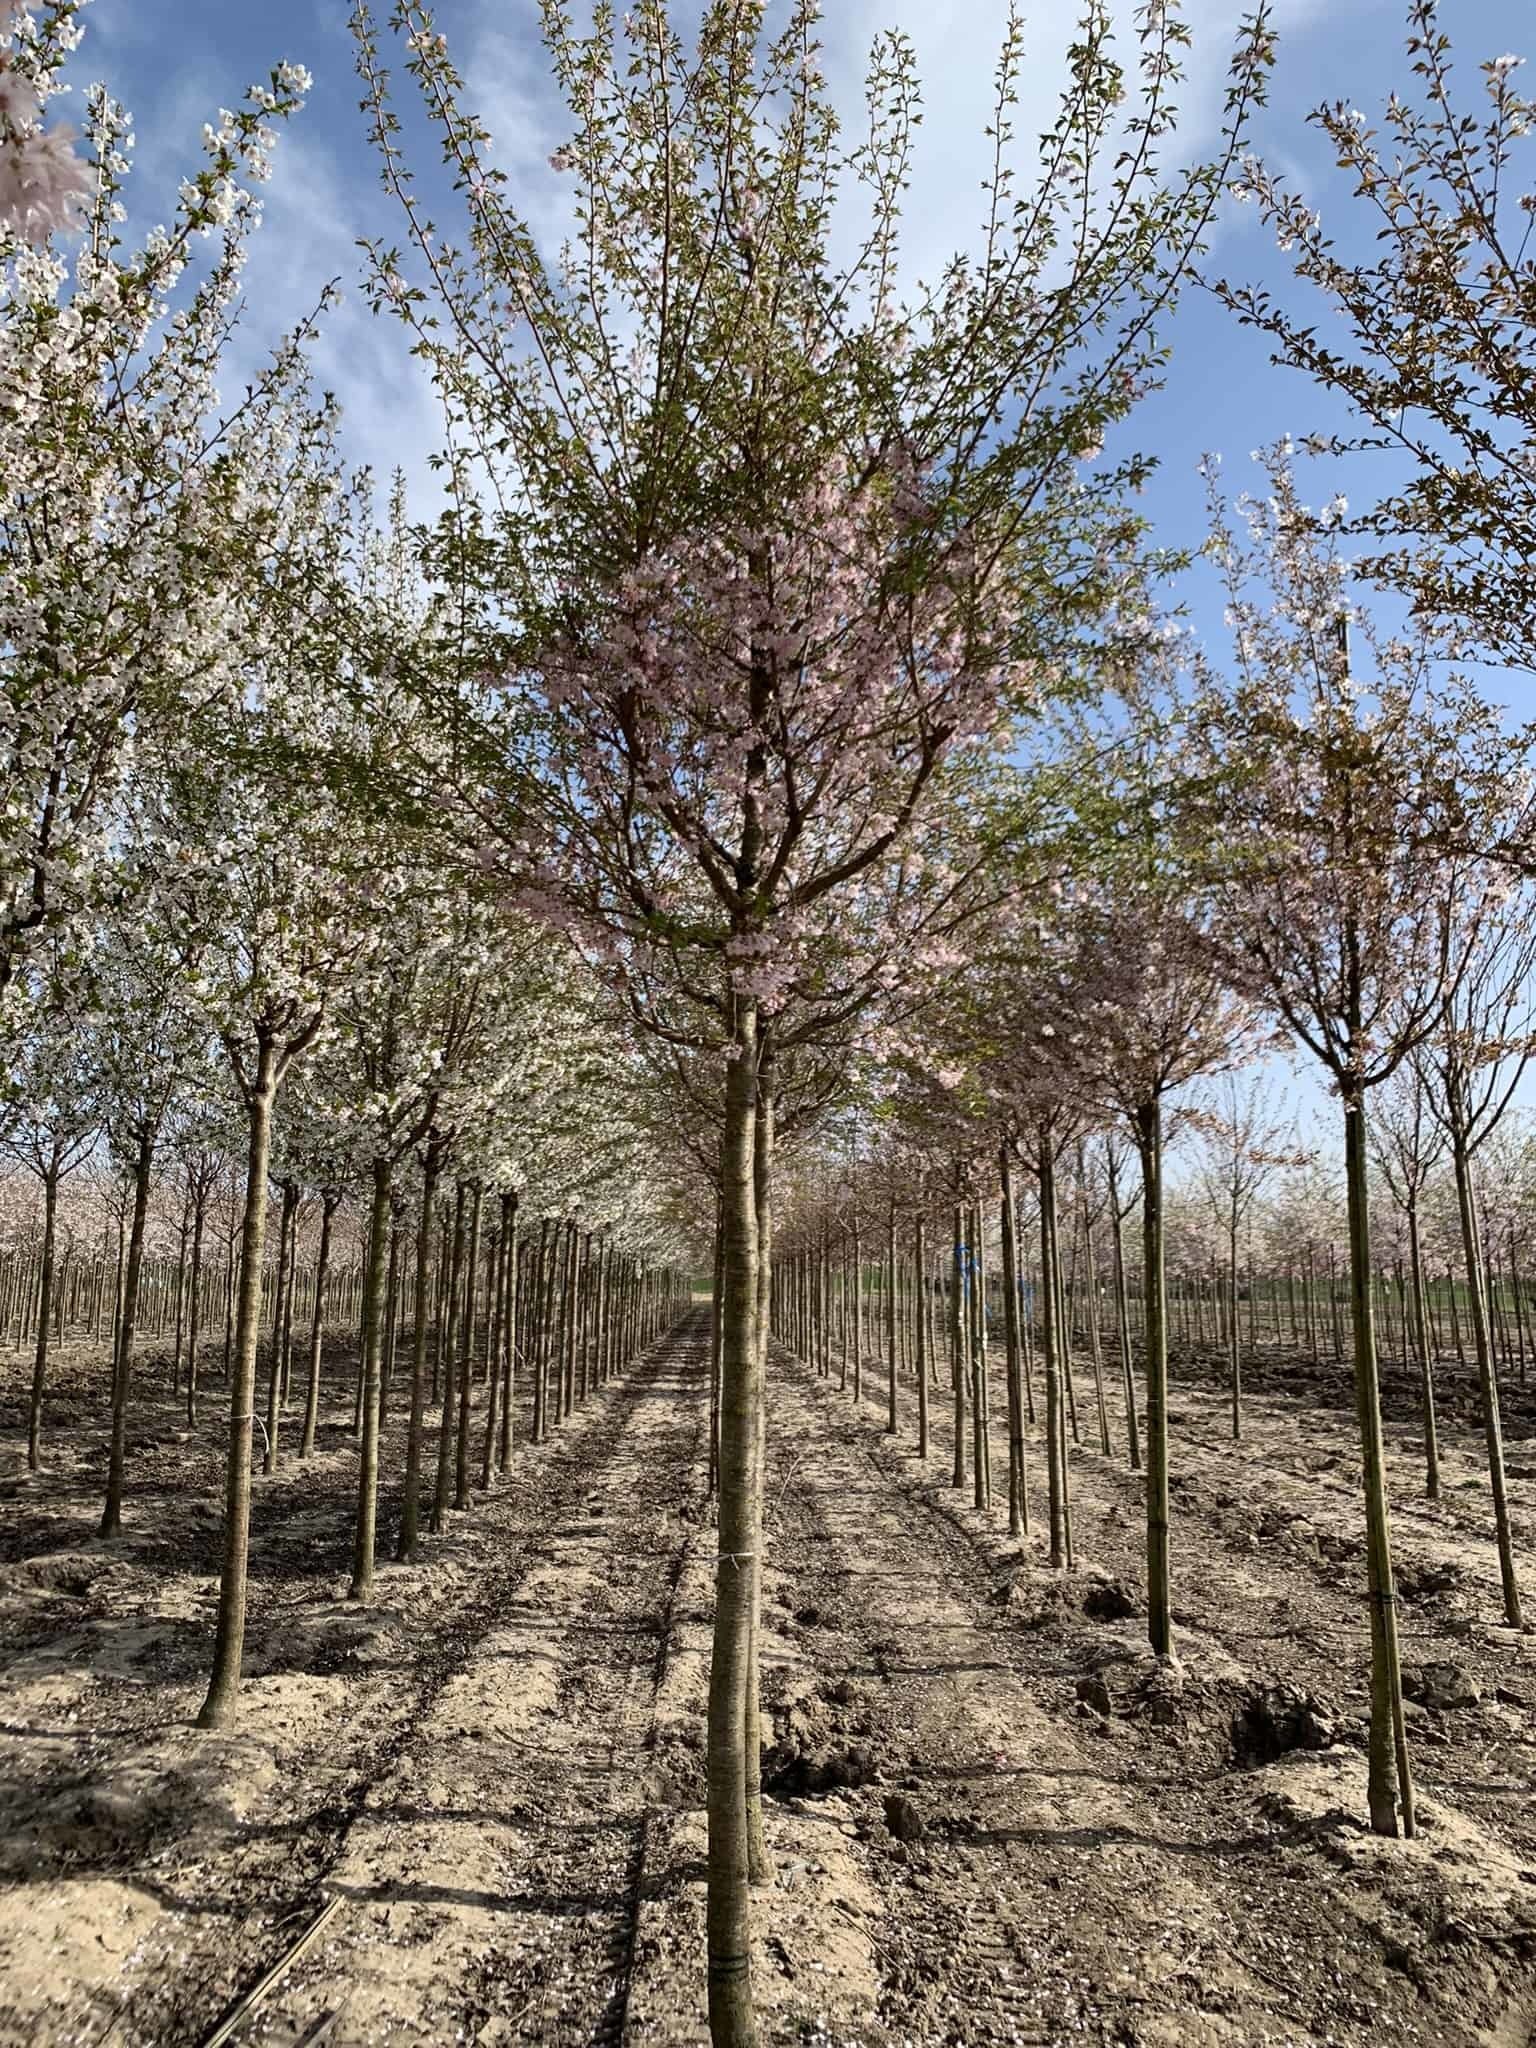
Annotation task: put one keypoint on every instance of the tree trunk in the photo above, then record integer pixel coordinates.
(1387, 1739)
(40, 1354)
(1426, 1359)
(328, 1205)
(452, 1337)
(195, 1304)
(1050, 1346)
(223, 1688)
(1018, 1483)
(467, 1353)
(410, 1514)
(920, 1253)
(759, 1863)
(285, 1236)
(144, 1165)
(1487, 1376)
(1149, 1145)
(732, 2023)
(1234, 1339)
(373, 1352)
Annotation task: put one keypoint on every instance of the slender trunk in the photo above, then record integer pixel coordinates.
(1050, 1347)
(467, 1354)
(1234, 1340)
(1018, 1484)
(410, 1513)
(959, 1321)
(224, 1685)
(1426, 1361)
(759, 1863)
(143, 1169)
(732, 2023)
(373, 1353)
(195, 1306)
(920, 1254)
(1123, 1318)
(328, 1204)
(981, 1474)
(1487, 1376)
(285, 1235)
(452, 1337)
(1387, 1741)
(1149, 1145)
(40, 1354)
(716, 1333)
(509, 1329)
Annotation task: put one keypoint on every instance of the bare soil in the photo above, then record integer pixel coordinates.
(992, 1817)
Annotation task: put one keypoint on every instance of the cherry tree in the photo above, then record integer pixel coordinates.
(1431, 330)
(1331, 890)
(776, 549)
(129, 499)
(1470, 1069)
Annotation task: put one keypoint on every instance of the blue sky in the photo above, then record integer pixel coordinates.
(173, 62)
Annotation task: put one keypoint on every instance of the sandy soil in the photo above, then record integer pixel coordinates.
(497, 1768)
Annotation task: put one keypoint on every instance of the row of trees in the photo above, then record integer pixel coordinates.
(756, 657)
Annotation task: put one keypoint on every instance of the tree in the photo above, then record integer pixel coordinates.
(1471, 1068)
(1439, 329)
(775, 548)
(1330, 893)
(127, 501)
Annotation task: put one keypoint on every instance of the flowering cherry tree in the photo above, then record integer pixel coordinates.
(130, 501)
(771, 548)
(1334, 794)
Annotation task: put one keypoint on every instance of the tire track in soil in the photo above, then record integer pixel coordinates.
(496, 1858)
(1063, 1893)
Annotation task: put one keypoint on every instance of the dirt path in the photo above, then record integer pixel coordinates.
(458, 1762)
